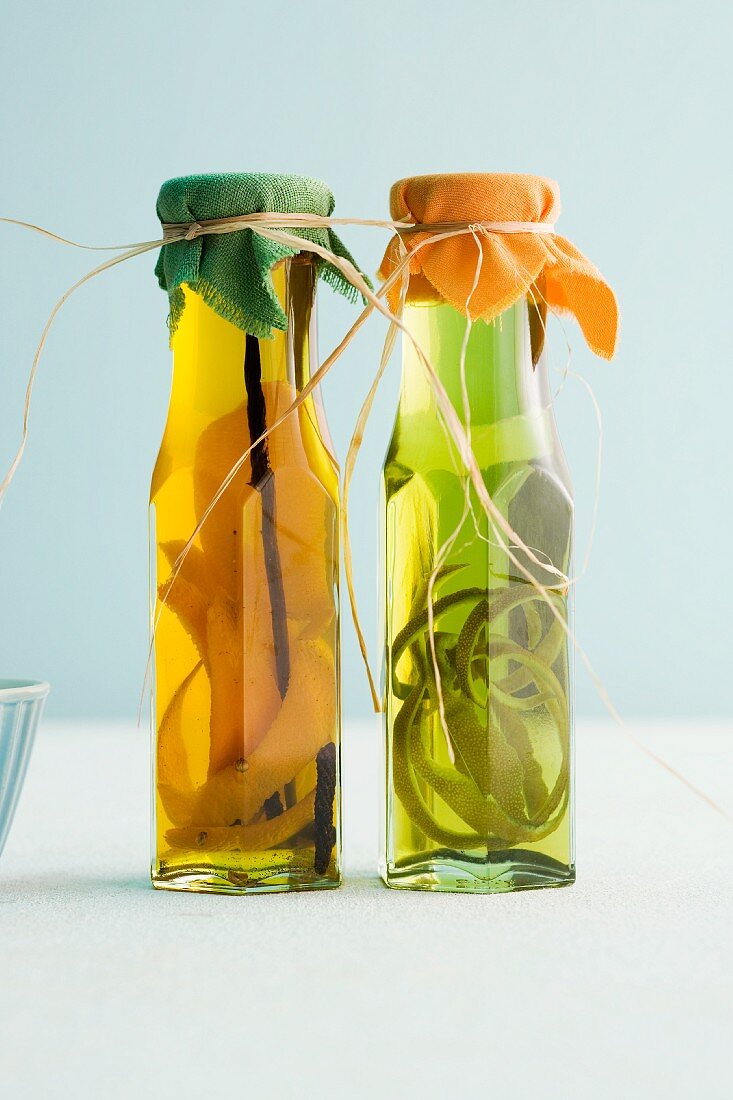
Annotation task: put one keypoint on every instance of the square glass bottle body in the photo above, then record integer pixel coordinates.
(246, 710)
(478, 799)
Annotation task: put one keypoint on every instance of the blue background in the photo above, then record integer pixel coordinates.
(627, 105)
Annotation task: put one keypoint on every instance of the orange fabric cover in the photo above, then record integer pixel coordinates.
(512, 263)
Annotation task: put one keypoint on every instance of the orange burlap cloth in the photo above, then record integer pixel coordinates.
(542, 265)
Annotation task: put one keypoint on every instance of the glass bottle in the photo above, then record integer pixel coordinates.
(480, 801)
(246, 689)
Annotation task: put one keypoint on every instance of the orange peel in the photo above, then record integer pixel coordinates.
(304, 724)
(260, 836)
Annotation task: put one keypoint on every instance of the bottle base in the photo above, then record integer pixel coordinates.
(211, 880)
(501, 872)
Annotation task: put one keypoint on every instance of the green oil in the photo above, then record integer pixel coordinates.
(480, 799)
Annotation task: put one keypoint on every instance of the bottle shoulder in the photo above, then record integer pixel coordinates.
(215, 446)
(421, 444)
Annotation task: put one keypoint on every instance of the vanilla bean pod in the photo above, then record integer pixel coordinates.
(273, 806)
(264, 482)
(325, 794)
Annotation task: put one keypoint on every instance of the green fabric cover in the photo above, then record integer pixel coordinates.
(231, 272)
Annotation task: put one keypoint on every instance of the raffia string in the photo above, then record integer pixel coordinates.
(274, 220)
(274, 226)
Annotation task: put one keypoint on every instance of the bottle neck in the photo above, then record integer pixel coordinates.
(501, 380)
(209, 351)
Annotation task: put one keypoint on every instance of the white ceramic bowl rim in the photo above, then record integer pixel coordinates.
(16, 691)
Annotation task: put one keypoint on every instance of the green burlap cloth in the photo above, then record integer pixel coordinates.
(232, 272)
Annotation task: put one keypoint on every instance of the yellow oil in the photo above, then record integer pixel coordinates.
(478, 800)
(246, 687)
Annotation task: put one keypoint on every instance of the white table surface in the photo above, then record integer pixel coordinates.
(619, 986)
